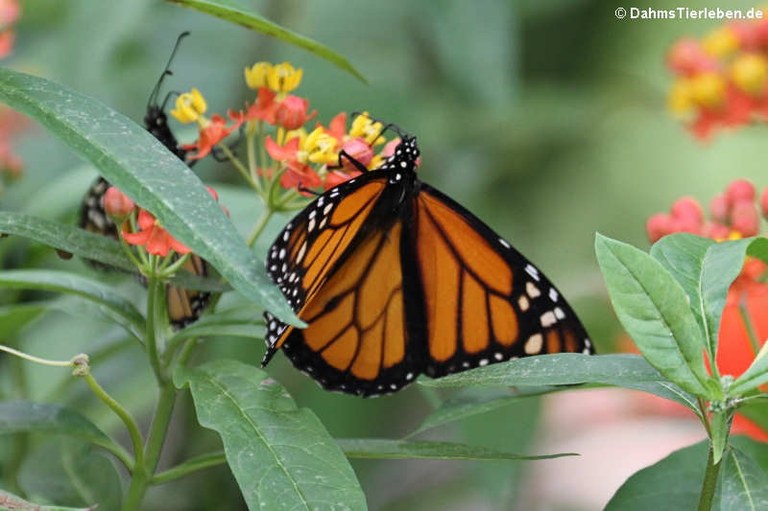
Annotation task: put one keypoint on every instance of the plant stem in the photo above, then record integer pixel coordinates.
(710, 481)
(191, 465)
(126, 417)
(154, 287)
(143, 474)
(261, 223)
(239, 167)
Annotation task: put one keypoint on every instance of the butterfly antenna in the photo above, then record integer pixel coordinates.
(166, 72)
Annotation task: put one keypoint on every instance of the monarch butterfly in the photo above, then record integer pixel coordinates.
(184, 306)
(395, 279)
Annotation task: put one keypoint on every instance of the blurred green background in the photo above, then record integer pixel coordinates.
(545, 118)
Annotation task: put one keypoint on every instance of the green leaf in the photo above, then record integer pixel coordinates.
(70, 472)
(408, 449)
(132, 159)
(683, 256)
(292, 462)
(26, 417)
(10, 502)
(627, 371)
(115, 306)
(66, 237)
(743, 484)
(720, 427)
(239, 322)
(654, 310)
(13, 318)
(471, 402)
(672, 483)
(723, 263)
(230, 11)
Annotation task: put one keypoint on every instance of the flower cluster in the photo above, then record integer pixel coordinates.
(139, 227)
(744, 324)
(295, 156)
(733, 215)
(721, 80)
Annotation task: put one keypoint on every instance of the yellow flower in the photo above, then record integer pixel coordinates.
(366, 128)
(320, 147)
(708, 89)
(256, 75)
(189, 106)
(720, 43)
(749, 73)
(680, 101)
(283, 77)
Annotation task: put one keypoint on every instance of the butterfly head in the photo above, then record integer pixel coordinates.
(406, 154)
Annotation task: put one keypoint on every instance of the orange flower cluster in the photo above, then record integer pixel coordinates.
(139, 227)
(302, 158)
(744, 324)
(721, 80)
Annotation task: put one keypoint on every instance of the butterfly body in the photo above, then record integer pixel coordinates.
(396, 279)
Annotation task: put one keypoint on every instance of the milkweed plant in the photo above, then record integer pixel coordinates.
(692, 305)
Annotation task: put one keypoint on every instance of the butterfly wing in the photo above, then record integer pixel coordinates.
(339, 263)
(483, 301)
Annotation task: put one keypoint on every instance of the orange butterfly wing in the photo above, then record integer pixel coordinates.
(484, 302)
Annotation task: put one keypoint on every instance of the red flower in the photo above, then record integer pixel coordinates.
(292, 113)
(337, 128)
(285, 152)
(298, 175)
(214, 132)
(264, 107)
(153, 237)
(687, 57)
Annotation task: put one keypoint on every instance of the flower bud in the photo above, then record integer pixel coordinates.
(745, 219)
(116, 204)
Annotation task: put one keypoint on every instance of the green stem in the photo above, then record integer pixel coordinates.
(261, 223)
(144, 473)
(128, 420)
(240, 167)
(751, 334)
(154, 289)
(710, 481)
(191, 465)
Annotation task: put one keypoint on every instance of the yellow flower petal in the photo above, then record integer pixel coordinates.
(720, 43)
(366, 128)
(284, 77)
(708, 89)
(256, 75)
(749, 72)
(189, 106)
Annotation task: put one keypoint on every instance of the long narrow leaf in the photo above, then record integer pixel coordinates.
(234, 13)
(409, 449)
(117, 307)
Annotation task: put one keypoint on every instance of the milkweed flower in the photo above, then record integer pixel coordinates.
(722, 80)
(153, 237)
